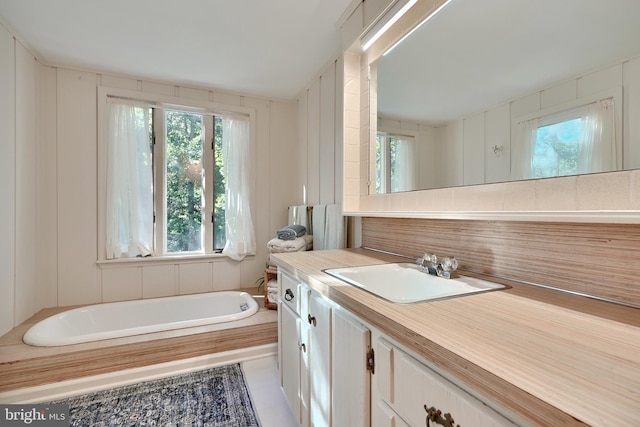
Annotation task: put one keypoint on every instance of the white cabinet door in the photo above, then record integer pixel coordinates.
(409, 387)
(318, 321)
(290, 359)
(306, 372)
(351, 379)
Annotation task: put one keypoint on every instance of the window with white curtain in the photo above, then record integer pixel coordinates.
(395, 157)
(576, 141)
(177, 182)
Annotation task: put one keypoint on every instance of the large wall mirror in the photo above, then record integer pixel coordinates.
(501, 90)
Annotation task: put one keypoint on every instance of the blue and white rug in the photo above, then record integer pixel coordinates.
(216, 397)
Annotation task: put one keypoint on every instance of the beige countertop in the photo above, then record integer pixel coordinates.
(551, 358)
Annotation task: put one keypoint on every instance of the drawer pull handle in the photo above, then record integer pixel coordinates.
(435, 415)
(311, 319)
(288, 295)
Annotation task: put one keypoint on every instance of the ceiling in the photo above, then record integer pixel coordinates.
(257, 47)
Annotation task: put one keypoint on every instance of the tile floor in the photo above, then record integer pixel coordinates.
(263, 380)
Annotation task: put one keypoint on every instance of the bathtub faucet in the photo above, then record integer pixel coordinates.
(429, 264)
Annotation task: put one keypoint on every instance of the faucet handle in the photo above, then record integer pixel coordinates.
(449, 264)
(430, 258)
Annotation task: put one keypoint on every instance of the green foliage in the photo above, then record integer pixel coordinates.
(557, 149)
(220, 196)
(184, 182)
(185, 198)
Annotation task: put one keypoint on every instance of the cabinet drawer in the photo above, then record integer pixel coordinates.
(407, 385)
(290, 292)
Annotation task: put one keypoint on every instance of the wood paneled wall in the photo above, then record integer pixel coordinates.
(602, 260)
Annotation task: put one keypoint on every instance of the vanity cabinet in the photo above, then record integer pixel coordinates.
(406, 389)
(322, 359)
(336, 370)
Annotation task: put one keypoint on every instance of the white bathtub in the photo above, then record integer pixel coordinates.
(122, 319)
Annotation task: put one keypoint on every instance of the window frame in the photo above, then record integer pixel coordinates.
(162, 102)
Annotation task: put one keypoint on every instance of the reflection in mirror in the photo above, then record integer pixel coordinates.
(498, 90)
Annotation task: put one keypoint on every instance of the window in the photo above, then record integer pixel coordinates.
(574, 141)
(189, 164)
(557, 148)
(394, 163)
(169, 172)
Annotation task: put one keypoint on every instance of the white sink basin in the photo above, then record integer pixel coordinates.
(406, 283)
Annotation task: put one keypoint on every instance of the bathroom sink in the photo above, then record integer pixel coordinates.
(407, 283)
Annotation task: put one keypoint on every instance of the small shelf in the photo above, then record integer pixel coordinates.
(269, 274)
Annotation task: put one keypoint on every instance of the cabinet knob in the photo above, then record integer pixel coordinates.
(302, 346)
(311, 319)
(435, 415)
(288, 295)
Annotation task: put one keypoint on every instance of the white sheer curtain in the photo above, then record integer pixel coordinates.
(598, 145)
(239, 231)
(523, 150)
(129, 205)
(403, 177)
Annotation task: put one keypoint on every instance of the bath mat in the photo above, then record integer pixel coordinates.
(216, 397)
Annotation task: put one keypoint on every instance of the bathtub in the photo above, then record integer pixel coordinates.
(127, 318)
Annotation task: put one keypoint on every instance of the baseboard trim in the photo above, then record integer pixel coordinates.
(63, 389)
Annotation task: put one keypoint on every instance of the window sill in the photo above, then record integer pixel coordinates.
(165, 260)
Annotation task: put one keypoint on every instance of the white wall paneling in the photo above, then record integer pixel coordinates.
(195, 278)
(7, 176)
(301, 165)
(631, 109)
(425, 159)
(121, 284)
(452, 147)
(313, 143)
(281, 156)
(26, 125)
(327, 147)
(47, 174)
(338, 128)
(78, 275)
(498, 135)
(159, 281)
(320, 132)
(559, 94)
(226, 275)
(473, 149)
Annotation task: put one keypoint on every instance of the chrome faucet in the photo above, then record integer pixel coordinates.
(429, 264)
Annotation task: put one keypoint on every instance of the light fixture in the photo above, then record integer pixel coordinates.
(416, 27)
(396, 11)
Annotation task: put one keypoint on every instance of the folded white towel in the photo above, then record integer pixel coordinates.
(272, 297)
(299, 244)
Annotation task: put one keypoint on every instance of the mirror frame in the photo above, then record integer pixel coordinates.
(579, 198)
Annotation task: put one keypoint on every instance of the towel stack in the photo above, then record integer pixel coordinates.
(292, 238)
(272, 291)
(290, 232)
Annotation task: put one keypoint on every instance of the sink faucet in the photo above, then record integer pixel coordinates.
(429, 264)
